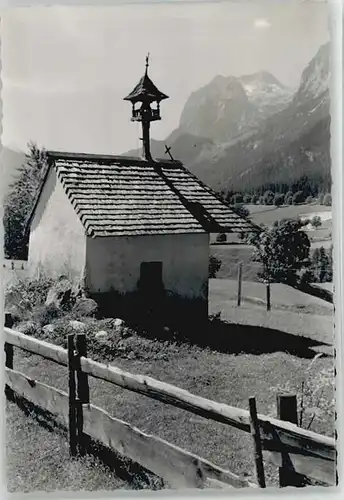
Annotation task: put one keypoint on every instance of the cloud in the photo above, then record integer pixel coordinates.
(262, 23)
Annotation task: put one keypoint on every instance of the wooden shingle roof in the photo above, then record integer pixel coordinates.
(122, 196)
(145, 90)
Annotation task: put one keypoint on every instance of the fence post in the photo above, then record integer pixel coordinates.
(287, 411)
(268, 297)
(83, 391)
(9, 364)
(72, 396)
(258, 454)
(239, 282)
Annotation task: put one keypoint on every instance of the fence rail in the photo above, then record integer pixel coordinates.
(306, 452)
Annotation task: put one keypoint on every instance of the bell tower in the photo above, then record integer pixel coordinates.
(145, 100)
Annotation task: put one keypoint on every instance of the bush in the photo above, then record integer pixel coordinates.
(279, 199)
(309, 199)
(315, 393)
(46, 314)
(221, 237)
(327, 201)
(316, 221)
(214, 266)
(298, 197)
(288, 198)
(236, 198)
(247, 199)
(321, 265)
(254, 199)
(27, 294)
(268, 197)
(261, 200)
(241, 211)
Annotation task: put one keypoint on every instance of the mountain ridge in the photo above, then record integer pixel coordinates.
(291, 142)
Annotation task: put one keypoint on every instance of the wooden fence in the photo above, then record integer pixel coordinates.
(293, 449)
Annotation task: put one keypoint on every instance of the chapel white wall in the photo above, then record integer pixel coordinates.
(57, 242)
(114, 263)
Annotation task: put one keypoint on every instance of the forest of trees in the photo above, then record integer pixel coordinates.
(302, 191)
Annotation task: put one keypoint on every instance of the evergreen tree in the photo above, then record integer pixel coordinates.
(19, 202)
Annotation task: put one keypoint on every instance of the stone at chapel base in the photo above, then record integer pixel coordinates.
(48, 328)
(118, 322)
(85, 307)
(78, 326)
(101, 335)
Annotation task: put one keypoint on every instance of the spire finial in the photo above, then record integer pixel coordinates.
(147, 62)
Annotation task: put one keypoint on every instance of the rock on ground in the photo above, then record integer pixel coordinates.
(79, 326)
(48, 328)
(101, 335)
(85, 307)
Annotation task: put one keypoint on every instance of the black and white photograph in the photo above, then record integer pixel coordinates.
(168, 247)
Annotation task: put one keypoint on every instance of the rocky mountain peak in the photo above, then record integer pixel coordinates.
(315, 78)
(228, 105)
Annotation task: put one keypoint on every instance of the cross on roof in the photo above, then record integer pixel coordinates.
(168, 152)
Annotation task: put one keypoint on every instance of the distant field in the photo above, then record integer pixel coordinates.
(267, 215)
(261, 214)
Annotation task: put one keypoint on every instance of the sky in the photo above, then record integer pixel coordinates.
(66, 70)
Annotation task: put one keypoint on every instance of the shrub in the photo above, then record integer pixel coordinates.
(298, 197)
(241, 211)
(268, 197)
(279, 199)
(315, 394)
(26, 294)
(327, 201)
(254, 199)
(247, 199)
(316, 221)
(309, 199)
(288, 198)
(214, 266)
(221, 237)
(236, 198)
(322, 265)
(46, 314)
(261, 200)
